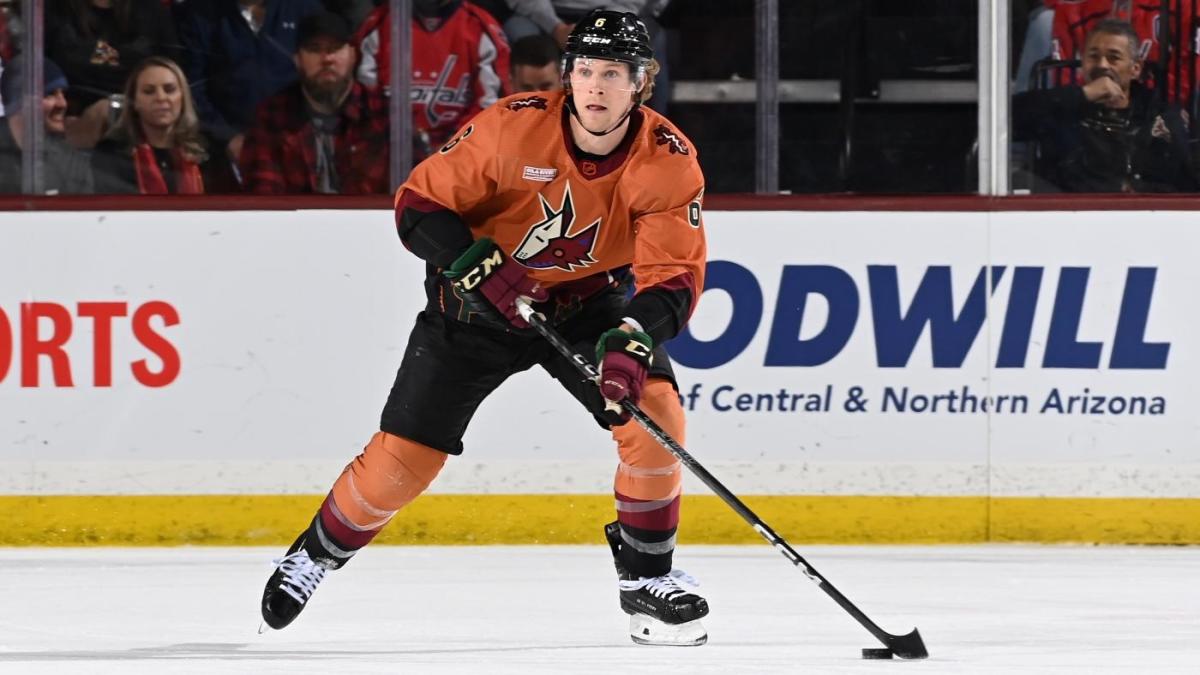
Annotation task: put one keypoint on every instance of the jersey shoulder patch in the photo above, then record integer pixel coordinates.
(536, 102)
(670, 140)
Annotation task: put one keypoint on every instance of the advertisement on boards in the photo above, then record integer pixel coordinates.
(1024, 353)
(831, 353)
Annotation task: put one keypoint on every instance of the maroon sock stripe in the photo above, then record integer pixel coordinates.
(634, 512)
(342, 531)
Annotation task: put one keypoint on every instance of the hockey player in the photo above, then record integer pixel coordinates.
(566, 198)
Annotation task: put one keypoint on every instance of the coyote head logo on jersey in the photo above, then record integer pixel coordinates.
(550, 244)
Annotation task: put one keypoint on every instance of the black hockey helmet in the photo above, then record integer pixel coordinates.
(614, 36)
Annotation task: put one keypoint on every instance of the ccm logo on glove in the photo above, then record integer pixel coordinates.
(624, 359)
(638, 349)
(483, 269)
(489, 283)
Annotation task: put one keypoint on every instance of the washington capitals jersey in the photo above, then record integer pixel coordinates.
(460, 66)
(1073, 19)
(513, 174)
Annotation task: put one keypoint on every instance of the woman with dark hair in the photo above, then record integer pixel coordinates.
(156, 147)
(97, 43)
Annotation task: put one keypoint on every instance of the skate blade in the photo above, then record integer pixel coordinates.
(262, 627)
(645, 630)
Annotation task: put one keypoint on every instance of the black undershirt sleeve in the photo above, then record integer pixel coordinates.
(437, 237)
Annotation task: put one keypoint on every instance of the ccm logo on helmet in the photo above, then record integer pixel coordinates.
(596, 40)
(481, 271)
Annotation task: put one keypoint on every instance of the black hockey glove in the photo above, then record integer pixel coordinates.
(489, 282)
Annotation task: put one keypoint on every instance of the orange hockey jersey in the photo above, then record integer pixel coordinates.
(513, 174)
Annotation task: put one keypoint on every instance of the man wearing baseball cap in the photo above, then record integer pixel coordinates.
(66, 169)
(326, 133)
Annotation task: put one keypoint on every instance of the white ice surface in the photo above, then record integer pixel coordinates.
(981, 609)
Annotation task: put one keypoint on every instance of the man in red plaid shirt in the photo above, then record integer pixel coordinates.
(326, 133)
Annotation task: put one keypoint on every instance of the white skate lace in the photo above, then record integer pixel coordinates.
(666, 586)
(300, 575)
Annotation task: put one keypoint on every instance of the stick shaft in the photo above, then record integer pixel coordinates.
(585, 367)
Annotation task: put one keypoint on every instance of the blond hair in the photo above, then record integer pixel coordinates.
(651, 72)
(185, 133)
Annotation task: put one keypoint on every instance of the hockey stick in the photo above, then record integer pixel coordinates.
(909, 646)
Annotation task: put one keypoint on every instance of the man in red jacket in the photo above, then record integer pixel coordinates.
(459, 60)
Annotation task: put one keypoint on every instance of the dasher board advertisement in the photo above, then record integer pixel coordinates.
(1019, 354)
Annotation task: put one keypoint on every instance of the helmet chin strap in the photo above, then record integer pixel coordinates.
(575, 113)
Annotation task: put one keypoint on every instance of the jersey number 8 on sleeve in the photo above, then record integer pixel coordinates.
(457, 139)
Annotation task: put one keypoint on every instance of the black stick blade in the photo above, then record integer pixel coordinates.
(909, 646)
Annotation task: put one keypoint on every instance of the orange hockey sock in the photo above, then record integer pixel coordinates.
(648, 484)
(391, 472)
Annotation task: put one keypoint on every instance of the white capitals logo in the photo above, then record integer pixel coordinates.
(443, 103)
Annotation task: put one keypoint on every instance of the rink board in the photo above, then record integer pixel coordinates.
(162, 520)
(1005, 376)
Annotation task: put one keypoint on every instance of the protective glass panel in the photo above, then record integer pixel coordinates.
(878, 96)
(709, 46)
(220, 98)
(129, 107)
(34, 155)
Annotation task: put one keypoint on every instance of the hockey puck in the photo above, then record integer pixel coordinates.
(877, 653)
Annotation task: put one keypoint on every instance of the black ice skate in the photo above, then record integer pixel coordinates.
(661, 611)
(290, 587)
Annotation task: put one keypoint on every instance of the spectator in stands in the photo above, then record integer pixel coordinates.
(326, 133)
(1111, 134)
(536, 64)
(1074, 20)
(65, 169)
(1175, 73)
(239, 52)
(459, 60)
(98, 43)
(556, 18)
(155, 147)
